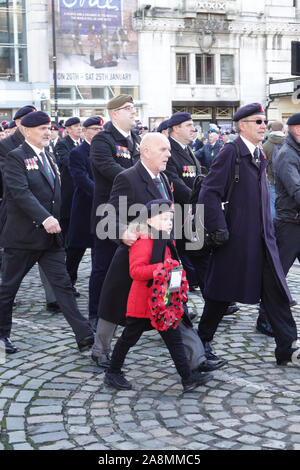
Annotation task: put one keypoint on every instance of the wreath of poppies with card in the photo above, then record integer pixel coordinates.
(166, 298)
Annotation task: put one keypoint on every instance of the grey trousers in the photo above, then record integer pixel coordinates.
(193, 346)
(49, 294)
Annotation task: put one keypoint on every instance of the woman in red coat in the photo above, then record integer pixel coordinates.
(146, 256)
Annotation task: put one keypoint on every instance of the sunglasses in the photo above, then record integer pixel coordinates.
(257, 121)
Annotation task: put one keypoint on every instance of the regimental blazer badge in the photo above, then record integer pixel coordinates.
(31, 163)
(189, 171)
(122, 152)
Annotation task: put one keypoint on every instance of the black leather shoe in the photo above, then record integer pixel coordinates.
(264, 327)
(293, 303)
(53, 307)
(197, 379)
(294, 359)
(117, 381)
(209, 366)
(231, 310)
(104, 364)
(75, 291)
(209, 352)
(9, 347)
(86, 343)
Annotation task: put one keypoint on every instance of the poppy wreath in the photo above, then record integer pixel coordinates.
(164, 317)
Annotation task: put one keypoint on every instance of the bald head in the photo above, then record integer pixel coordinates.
(155, 151)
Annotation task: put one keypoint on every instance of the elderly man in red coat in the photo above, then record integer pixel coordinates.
(245, 266)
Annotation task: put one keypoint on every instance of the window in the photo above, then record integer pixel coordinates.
(13, 49)
(205, 73)
(227, 70)
(182, 68)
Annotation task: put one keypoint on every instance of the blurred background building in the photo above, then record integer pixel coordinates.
(204, 57)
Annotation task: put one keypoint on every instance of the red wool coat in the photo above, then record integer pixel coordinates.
(141, 271)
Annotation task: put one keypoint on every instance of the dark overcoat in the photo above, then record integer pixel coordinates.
(62, 151)
(109, 157)
(30, 200)
(181, 171)
(235, 269)
(137, 185)
(80, 221)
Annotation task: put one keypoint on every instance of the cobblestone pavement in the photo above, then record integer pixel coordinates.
(53, 397)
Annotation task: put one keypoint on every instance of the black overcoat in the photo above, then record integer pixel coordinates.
(62, 151)
(109, 156)
(80, 221)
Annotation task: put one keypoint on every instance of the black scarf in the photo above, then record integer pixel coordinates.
(160, 243)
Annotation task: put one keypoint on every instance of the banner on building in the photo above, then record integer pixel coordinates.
(95, 43)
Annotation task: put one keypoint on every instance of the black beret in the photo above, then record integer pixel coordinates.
(35, 119)
(11, 125)
(93, 121)
(5, 126)
(248, 110)
(54, 127)
(119, 101)
(294, 120)
(71, 121)
(163, 126)
(23, 111)
(155, 207)
(178, 118)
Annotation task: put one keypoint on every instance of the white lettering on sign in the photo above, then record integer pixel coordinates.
(90, 3)
(211, 5)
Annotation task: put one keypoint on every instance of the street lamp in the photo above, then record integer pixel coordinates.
(54, 63)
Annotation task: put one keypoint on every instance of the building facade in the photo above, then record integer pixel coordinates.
(204, 57)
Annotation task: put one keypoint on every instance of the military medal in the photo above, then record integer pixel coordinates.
(122, 152)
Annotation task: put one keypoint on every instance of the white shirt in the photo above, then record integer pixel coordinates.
(150, 172)
(181, 145)
(125, 134)
(76, 142)
(249, 144)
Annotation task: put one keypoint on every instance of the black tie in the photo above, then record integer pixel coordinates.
(187, 151)
(130, 143)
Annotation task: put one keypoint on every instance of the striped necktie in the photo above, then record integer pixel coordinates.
(48, 169)
(256, 156)
(161, 188)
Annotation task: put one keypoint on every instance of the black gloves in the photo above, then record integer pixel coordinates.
(219, 237)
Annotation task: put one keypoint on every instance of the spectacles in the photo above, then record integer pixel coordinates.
(94, 128)
(127, 108)
(257, 121)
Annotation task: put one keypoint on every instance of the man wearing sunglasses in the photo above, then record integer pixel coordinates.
(112, 151)
(245, 265)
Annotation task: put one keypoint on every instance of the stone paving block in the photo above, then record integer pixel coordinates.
(15, 424)
(45, 419)
(60, 445)
(49, 437)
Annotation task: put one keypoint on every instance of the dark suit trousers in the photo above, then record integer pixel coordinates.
(131, 334)
(102, 255)
(74, 256)
(16, 264)
(277, 310)
(288, 242)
